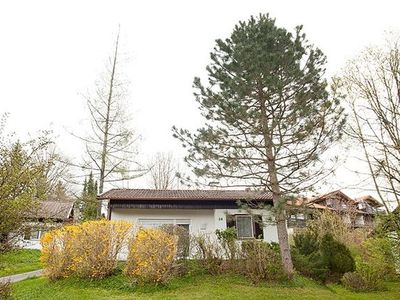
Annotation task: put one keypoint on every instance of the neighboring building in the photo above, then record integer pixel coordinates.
(48, 215)
(359, 212)
(199, 211)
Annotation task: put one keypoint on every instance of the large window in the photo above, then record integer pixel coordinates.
(34, 233)
(247, 226)
(155, 223)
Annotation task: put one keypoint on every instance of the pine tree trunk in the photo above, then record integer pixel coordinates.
(278, 201)
(283, 239)
(280, 219)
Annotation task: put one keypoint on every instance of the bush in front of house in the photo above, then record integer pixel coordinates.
(307, 258)
(257, 260)
(261, 261)
(375, 264)
(151, 256)
(87, 250)
(228, 241)
(57, 251)
(324, 259)
(183, 239)
(364, 279)
(380, 254)
(337, 257)
(209, 253)
(97, 247)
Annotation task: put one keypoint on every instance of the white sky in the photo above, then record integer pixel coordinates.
(52, 52)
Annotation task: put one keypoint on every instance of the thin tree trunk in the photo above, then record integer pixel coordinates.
(107, 121)
(280, 216)
(107, 127)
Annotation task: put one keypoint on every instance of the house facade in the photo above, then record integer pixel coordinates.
(356, 213)
(48, 215)
(199, 211)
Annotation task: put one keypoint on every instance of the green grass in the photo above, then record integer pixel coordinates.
(19, 261)
(194, 287)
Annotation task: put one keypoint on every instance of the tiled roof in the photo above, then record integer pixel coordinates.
(334, 194)
(149, 194)
(59, 210)
(369, 199)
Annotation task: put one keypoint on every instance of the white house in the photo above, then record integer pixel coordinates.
(49, 214)
(200, 211)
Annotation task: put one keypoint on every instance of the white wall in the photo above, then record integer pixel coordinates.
(202, 221)
(29, 244)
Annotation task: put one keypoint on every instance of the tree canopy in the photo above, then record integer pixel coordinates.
(266, 100)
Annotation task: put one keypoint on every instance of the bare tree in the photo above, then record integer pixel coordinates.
(163, 170)
(372, 84)
(110, 144)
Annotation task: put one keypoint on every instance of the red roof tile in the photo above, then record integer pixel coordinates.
(149, 194)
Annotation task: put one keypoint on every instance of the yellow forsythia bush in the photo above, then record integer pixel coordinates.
(87, 250)
(57, 251)
(151, 256)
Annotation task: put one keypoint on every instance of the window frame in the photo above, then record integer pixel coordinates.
(232, 220)
(159, 222)
(251, 227)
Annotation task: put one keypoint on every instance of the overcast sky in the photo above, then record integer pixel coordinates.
(51, 53)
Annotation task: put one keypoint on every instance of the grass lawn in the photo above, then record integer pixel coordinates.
(19, 261)
(195, 287)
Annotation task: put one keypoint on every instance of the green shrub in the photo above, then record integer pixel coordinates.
(375, 264)
(312, 265)
(228, 238)
(209, 253)
(323, 260)
(5, 290)
(378, 254)
(261, 261)
(363, 280)
(337, 257)
(307, 259)
(306, 243)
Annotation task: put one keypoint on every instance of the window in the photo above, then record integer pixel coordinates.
(300, 217)
(247, 226)
(34, 233)
(361, 205)
(244, 226)
(155, 223)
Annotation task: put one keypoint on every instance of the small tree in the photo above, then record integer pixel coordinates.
(24, 181)
(88, 199)
(269, 116)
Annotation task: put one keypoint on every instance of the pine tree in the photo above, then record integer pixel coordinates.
(268, 115)
(89, 199)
